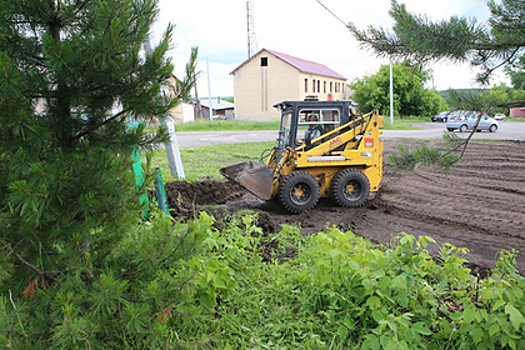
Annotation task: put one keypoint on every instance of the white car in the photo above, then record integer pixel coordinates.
(500, 116)
(465, 120)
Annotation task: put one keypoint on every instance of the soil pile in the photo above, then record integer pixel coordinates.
(479, 204)
(185, 198)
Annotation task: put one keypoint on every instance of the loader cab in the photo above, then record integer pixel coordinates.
(298, 118)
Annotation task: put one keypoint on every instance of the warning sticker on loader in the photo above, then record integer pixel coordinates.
(369, 142)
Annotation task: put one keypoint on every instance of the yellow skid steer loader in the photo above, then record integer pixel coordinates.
(324, 149)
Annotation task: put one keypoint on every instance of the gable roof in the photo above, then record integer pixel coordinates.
(216, 103)
(300, 64)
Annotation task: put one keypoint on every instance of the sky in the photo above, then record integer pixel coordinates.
(300, 28)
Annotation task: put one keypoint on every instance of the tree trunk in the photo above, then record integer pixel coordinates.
(62, 103)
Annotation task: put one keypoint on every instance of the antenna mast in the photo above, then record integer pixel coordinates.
(252, 40)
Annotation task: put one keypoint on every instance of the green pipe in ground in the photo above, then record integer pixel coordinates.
(139, 181)
(139, 173)
(160, 193)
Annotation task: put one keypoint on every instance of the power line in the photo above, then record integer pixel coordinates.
(333, 14)
(391, 75)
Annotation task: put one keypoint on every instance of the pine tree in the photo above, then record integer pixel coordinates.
(71, 73)
(488, 46)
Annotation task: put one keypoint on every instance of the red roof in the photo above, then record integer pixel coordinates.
(307, 66)
(300, 64)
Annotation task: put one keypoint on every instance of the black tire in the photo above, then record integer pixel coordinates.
(350, 188)
(463, 128)
(493, 128)
(299, 191)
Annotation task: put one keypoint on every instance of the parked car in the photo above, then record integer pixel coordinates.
(465, 120)
(441, 117)
(500, 116)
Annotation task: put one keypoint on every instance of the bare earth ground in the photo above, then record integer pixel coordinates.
(479, 204)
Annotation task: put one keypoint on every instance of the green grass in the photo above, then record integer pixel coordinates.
(204, 162)
(230, 125)
(402, 124)
(510, 119)
(227, 125)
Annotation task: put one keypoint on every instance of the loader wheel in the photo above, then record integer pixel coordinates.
(350, 188)
(299, 191)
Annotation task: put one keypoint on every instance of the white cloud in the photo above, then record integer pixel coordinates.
(301, 28)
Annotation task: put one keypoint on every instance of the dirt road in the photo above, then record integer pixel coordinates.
(479, 204)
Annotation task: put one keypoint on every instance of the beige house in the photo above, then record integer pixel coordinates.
(269, 77)
(182, 113)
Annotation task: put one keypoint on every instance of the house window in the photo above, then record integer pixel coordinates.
(319, 86)
(313, 85)
(324, 86)
(331, 87)
(264, 61)
(306, 85)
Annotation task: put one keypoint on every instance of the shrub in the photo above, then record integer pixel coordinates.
(195, 286)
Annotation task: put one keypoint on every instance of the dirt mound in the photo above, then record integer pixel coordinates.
(186, 197)
(479, 204)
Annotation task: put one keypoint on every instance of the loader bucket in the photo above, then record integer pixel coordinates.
(255, 177)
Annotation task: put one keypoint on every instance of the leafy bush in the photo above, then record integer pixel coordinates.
(410, 95)
(401, 298)
(194, 286)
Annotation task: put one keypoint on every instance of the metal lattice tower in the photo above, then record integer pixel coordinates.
(252, 40)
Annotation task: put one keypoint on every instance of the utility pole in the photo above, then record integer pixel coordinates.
(209, 87)
(171, 146)
(391, 93)
(197, 110)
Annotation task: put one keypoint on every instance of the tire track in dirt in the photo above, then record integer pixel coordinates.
(479, 204)
(468, 205)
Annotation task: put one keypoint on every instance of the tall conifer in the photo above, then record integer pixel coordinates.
(71, 73)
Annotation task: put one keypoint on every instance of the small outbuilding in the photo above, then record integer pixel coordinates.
(221, 108)
(517, 112)
(269, 77)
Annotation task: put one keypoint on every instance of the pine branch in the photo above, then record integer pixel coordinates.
(81, 7)
(518, 103)
(48, 274)
(465, 142)
(417, 38)
(88, 131)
